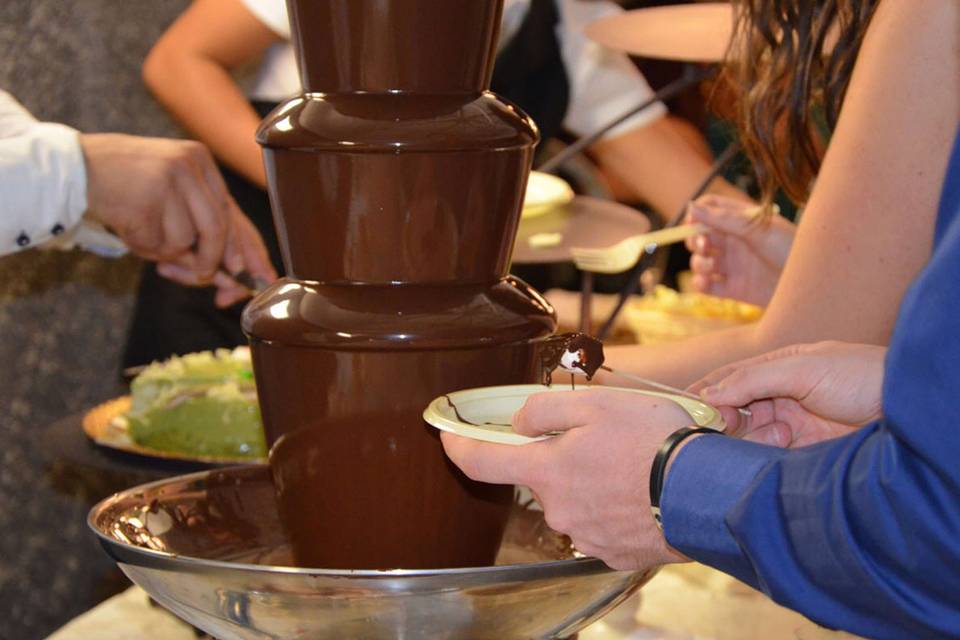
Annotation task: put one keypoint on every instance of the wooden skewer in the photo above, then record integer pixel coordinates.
(663, 387)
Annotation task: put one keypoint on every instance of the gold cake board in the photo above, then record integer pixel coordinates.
(101, 426)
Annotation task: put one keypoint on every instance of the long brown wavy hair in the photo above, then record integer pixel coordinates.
(791, 61)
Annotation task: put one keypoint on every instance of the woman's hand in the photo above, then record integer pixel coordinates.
(592, 480)
(800, 394)
(741, 257)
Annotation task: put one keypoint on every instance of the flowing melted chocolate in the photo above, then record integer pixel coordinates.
(588, 350)
(362, 481)
(415, 46)
(396, 183)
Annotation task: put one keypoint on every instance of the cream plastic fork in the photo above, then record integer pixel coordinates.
(624, 254)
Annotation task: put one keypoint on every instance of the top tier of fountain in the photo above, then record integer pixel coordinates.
(409, 46)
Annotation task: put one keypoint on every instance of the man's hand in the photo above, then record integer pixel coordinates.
(593, 480)
(166, 200)
(740, 257)
(800, 394)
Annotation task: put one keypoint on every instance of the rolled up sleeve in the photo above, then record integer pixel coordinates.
(43, 191)
(604, 84)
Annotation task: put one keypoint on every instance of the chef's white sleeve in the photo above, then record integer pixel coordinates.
(43, 186)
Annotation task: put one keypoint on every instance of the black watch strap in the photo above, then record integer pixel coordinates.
(660, 464)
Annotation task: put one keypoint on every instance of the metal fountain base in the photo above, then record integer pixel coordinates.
(209, 546)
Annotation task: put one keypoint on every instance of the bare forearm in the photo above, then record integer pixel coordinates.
(658, 165)
(682, 363)
(204, 98)
(695, 139)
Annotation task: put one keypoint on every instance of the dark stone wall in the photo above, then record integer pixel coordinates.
(63, 316)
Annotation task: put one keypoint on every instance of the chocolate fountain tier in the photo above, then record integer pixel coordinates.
(348, 370)
(398, 317)
(402, 45)
(397, 188)
(392, 123)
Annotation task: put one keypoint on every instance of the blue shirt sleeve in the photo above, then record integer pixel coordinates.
(854, 533)
(862, 532)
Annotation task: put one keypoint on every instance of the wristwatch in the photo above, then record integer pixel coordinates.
(660, 461)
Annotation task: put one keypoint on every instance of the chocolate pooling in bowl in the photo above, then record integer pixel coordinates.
(396, 181)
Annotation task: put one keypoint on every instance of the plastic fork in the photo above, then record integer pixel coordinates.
(623, 255)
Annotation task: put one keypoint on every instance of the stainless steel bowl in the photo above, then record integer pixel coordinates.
(209, 546)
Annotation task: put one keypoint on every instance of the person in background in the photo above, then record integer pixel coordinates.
(568, 83)
(545, 64)
(858, 530)
(854, 255)
(162, 199)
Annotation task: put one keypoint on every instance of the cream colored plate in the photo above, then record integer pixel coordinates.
(490, 410)
(544, 192)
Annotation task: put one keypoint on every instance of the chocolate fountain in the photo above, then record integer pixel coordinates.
(396, 181)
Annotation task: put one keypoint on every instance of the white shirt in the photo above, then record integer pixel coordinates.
(43, 186)
(603, 83)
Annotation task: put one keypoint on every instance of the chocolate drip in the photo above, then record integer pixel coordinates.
(456, 412)
(589, 356)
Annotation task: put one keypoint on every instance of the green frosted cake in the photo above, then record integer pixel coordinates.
(200, 404)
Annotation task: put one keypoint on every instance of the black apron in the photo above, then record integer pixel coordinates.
(530, 71)
(172, 319)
